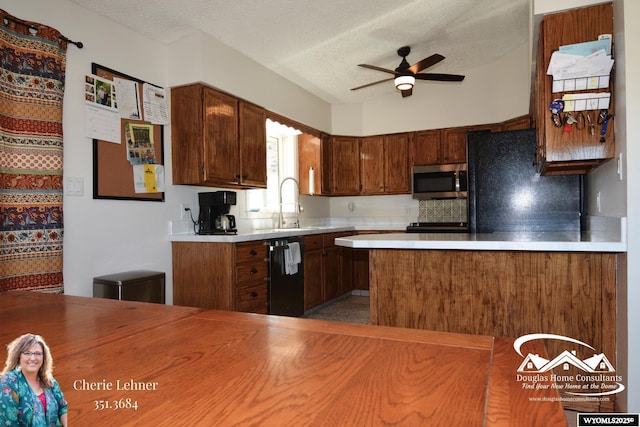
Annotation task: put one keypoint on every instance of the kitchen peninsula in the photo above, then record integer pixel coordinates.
(502, 284)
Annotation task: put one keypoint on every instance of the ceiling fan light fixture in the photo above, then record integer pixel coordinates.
(404, 82)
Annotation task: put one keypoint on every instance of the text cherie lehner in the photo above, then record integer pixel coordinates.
(129, 384)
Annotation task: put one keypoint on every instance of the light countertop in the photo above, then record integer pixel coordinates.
(606, 235)
(529, 241)
(265, 234)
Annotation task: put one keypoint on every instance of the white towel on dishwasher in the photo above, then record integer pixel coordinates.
(292, 258)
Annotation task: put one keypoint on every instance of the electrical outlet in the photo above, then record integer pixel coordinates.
(598, 202)
(184, 211)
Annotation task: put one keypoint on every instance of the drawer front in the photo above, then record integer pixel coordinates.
(251, 251)
(313, 242)
(255, 271)
(252, 299)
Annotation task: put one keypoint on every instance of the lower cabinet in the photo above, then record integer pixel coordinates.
(313, 275)
(222, 276)
(234, 276)
(327, 269)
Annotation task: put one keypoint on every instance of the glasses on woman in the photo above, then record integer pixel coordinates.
(37, 354)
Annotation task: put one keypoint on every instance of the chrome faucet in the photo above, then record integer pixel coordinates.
(298, 208)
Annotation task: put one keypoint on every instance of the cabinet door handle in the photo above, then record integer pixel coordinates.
(254, 294)
(253, 252)
(253, 271)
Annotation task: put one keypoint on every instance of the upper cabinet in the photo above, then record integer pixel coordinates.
(454, 145)
(372, 159)
(443, 146)
(345, 165)
(217, 140)
(253, 148)
(579, 150)
(426, 148)
(397, 175)
(371, 165)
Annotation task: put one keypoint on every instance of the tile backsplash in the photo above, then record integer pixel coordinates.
(447, 210)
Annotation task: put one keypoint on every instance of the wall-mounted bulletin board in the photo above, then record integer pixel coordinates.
(113, 172)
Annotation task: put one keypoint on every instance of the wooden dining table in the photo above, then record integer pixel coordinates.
(131, 363)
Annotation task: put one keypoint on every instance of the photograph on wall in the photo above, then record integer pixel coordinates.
(140, 149)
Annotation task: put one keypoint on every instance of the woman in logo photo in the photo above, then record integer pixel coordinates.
(29, 395)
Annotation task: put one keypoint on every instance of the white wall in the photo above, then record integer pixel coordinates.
(492, 93)
(220, 66)
(103, 236)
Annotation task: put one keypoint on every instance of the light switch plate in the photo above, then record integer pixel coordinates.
(73, 186)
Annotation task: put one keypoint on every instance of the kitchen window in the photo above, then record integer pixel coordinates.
(282, 162)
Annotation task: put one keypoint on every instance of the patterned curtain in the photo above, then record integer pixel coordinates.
(32, 71)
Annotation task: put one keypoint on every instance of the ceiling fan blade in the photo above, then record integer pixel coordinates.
(426, 63)
(373, 67)
(407, 92)
(374, 83)
(439, 77)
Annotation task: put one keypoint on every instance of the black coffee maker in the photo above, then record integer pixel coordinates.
(214, 215)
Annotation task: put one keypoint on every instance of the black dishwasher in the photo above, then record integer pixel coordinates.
(286, 276)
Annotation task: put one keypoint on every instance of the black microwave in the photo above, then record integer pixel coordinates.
(439, 181)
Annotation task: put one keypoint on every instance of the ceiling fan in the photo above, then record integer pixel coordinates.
(405, 75)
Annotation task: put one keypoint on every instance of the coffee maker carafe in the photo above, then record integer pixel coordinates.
(214, 215)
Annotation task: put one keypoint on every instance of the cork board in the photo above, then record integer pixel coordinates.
(112, 172)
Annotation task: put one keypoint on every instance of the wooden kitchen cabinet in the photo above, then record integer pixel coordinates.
(313, 275)
(517, 123)
(454, 145)
(397, 177)
(327, 269)
(252, 145)
(217, 140)
(309, 156)
(384, 164)
(345, 165)
(575, 152)
(337, 267)
(314, 152)
(222, 276)
(372, 165)
(439, 146)
(426, 148)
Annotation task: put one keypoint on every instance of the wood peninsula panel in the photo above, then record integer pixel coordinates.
(202, 275)
(500, 293)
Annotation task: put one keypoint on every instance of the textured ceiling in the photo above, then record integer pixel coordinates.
(318, 44)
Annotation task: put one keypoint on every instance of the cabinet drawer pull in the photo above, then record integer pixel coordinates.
(253, 271)
(253, 252)
(254, 294)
